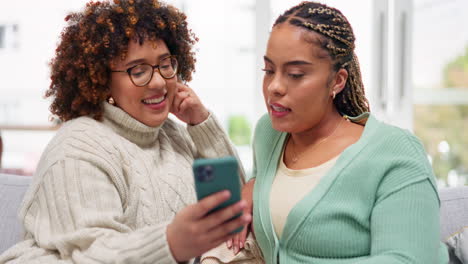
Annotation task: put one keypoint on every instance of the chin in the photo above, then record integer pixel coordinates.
(287, 126)
(280, 126)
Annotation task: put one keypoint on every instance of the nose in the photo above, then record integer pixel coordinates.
(157, 81)
(277, 86)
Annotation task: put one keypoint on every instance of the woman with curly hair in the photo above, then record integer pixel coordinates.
(115, 184)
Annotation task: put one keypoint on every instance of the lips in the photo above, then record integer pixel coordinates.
(154, 99)
(279, 108)
(279, 111)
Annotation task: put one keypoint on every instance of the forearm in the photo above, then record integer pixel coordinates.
(79, 215)
(147, 245)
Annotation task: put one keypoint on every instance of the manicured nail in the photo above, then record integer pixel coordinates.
(229, 243)
(242, 205)
(241, 245)
(247, 218)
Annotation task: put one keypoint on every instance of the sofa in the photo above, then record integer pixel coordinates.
(453, 211)
(12, 189)
(454, 217)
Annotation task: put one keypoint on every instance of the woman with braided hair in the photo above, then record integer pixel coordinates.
(331, 183)
(115, 185)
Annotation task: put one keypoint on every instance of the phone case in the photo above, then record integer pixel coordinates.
(215, 175)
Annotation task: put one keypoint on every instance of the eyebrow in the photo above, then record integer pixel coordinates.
(138, 61)
(289, 63)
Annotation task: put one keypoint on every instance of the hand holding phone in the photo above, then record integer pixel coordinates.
(208, 223)
(215, 175)
(194, 231)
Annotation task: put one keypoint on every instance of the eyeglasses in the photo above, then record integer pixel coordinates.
(141, 74)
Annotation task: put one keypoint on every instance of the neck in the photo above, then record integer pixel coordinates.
(323, 129)
(128, 127)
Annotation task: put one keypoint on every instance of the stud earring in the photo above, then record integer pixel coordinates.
(111, 101)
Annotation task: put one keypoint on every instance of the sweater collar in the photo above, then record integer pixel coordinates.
(128, 127)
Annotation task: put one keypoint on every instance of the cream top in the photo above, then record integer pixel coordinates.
(290, 186)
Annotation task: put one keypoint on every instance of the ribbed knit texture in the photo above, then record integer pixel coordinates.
(104, 192)
(378, 204)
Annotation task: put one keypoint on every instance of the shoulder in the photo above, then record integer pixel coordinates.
(395, 139)
(80, 138)
(82, 145)
(399, 153)
(84, 131)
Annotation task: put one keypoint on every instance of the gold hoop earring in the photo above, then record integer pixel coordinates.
(111, 101)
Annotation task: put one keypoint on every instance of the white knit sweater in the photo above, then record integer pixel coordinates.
(104, 192)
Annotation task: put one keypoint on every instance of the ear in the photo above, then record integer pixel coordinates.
(340, 81)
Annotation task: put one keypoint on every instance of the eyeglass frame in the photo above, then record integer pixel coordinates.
(152, 72)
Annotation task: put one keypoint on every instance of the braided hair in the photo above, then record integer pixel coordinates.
(337, 38)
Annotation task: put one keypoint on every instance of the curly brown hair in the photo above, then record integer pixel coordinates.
(93, 38)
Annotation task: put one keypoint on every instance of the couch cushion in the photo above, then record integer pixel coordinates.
(453, 210)
(12, 189)
(453, 217)
(458, 245)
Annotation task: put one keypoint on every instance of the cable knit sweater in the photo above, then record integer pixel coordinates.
(104, 192)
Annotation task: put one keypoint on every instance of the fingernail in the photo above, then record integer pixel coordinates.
(247, 217)
(243, 204)
(241, 245)
(229, 244)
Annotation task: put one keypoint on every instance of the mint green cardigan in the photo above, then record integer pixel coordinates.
(378, 204)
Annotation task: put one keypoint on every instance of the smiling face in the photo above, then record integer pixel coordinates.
(149, 104)
(299, 81)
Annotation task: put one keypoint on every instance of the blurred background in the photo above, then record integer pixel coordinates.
(413, 55)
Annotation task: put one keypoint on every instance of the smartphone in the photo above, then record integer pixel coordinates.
(215, 175)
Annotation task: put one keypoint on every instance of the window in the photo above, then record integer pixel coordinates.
(2, 36)
(440, 70)
(413, 55)
(9, 36)
(225, 77)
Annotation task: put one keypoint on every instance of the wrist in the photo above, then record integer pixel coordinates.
(202, 117)
(172, 244)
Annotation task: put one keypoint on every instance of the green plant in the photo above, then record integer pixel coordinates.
(239, 130)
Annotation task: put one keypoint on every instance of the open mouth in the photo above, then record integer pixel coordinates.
(156, 100)
(280, 109)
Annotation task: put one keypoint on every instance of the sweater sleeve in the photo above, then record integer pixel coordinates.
(76, 215)
(405, 226)
(212, 141)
